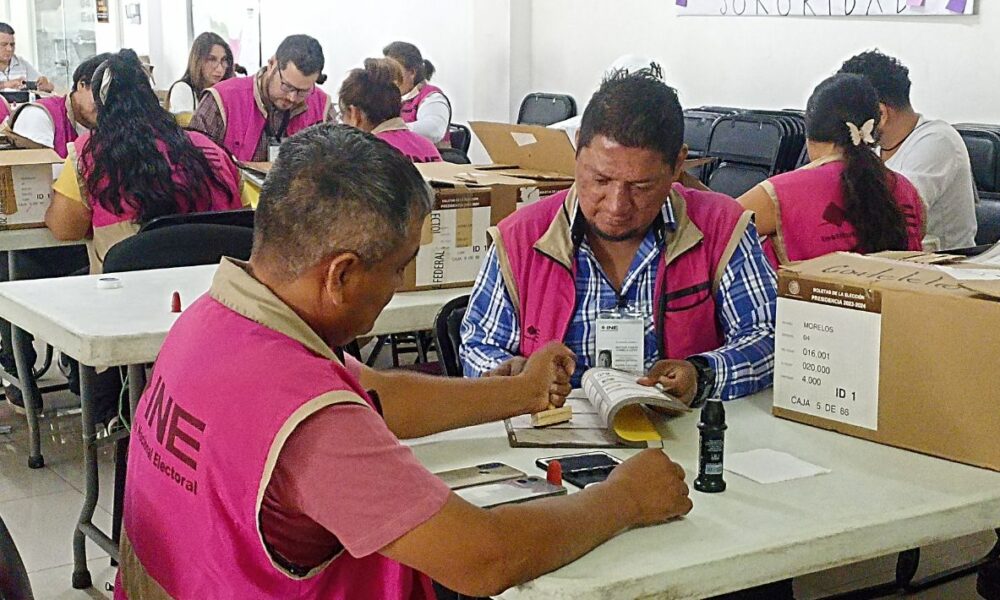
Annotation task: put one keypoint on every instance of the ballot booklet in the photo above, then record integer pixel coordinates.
(609, 411)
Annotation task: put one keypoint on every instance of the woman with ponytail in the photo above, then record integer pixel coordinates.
(425, 107)
(369, 100)
(845, 199)
(135, 165)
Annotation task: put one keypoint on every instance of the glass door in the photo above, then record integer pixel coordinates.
(65, 36)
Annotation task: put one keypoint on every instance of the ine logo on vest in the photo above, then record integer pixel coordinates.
(178, 436)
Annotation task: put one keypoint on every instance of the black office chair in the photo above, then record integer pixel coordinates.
(461, 137)
(988, 218)
(455, 155)
(14, 584)
(546, 109)
(179, 245)
(447, 334)
(237, 218)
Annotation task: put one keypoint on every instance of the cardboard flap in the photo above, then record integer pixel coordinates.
(259, 168)
(453, 175)
(528, 146)
(40, 156)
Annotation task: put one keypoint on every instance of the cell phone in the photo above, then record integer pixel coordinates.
(31, 85)
(465, 477)
(512, 491)
(583, 469)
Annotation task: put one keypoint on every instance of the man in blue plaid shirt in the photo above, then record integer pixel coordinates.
(688, 262)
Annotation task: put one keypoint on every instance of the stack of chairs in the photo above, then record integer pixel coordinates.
(983, 143)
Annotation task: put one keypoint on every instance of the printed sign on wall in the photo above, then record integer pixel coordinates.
(826, 8)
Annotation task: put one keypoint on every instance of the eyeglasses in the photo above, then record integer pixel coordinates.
(214, 60)
(291, 89)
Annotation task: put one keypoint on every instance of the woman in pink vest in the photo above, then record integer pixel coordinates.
(137, 164)
(845, 199)
(210, 61)
(369, 100)
(425, 107)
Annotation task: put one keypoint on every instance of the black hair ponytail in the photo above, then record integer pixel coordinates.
(844, 110)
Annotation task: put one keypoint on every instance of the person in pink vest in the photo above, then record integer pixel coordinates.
(425, 107)
(369, 100)
(4, 109)
(846, 199)
(55, 121)
(250, 116)
(291, 481)
(683, 265)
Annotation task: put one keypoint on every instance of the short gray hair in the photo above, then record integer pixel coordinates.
(336, 189)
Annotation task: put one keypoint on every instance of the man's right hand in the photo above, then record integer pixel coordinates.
(508, 368)
(654, 486)
(14, 84)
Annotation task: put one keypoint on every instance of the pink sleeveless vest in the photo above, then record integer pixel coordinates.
(547, 294)
(812, 220)
(218, 199)
(411, 106)
(197, 467)
(65, 130)
(416, 147)
(4, 109)
(245, 123)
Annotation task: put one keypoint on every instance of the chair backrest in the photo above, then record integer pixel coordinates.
(988, 218)
(238, 218)
(546, 109)
(984, 154)
(447, 334)
(735, 179)
(461, 137)
(454, 155)
(14, 584)
(179, 246)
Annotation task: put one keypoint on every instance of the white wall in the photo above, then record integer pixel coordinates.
(767, 62)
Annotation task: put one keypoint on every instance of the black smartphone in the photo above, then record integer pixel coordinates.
(31, 85)
(583, 469)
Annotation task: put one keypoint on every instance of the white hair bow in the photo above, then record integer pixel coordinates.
(864, 134)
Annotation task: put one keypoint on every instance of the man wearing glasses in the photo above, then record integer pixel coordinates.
(670, 282)
(250, 116)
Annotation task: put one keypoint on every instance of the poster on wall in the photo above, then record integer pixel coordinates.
(103, 13)
(826, 8)
(237, 21)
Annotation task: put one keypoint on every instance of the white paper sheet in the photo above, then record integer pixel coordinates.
(770, 466)
(972, 274)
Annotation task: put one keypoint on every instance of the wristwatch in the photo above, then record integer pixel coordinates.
(706, 379)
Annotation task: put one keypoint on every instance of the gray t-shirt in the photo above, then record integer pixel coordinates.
(934, 158)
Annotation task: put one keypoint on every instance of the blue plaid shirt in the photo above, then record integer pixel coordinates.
(745, 308)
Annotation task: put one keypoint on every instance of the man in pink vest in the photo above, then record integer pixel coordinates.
(55, 121)
(289, 481)
(683, 266)
(250, 116)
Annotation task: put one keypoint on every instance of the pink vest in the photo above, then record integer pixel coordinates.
(416, 147)
(65, 130)
(4, 109)
(812, 220)
(218, 199)
(245, 123)
(196, 466)
(411, 106)
(547, 294)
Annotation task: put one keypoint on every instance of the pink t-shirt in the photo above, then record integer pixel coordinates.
(343, 481)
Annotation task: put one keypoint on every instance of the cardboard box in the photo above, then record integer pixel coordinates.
(25, 187)
(894, 349)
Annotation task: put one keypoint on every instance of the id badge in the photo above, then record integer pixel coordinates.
(621, 336)
(272, 152)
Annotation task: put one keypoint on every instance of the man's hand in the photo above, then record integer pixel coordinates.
(678, 378)
(14, 84)
(547, 376)
(508, 368)
(653, 486)
(44, 84)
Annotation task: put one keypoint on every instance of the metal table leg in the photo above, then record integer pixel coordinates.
(85, 526)
(136, 385)
(30, 394)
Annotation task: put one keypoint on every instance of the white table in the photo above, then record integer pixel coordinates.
(31, 239)
(126, 327)
(876, 501)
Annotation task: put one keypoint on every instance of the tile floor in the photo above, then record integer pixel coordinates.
(40, 508)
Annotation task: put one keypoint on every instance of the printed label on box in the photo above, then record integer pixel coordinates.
(827, 362)
(453, 245)
(27, 193)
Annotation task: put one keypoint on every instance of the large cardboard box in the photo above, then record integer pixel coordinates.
(892, 349)
(25, 187)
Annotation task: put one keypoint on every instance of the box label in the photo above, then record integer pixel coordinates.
(453, 245)
(26, 193)
(827, 362)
